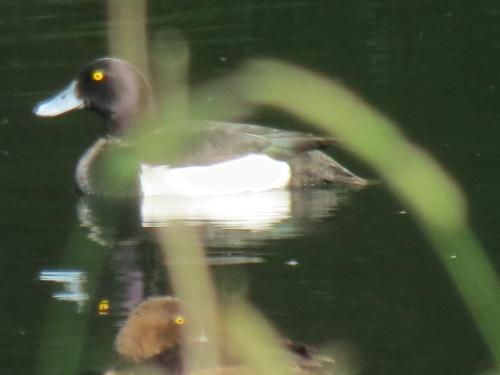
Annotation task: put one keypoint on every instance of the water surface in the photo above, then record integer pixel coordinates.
(349, 269)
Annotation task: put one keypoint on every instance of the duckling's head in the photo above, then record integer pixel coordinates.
(112, 87)
(154, 327)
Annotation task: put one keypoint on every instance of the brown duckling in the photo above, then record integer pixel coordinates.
(152, 338)
(153, 328)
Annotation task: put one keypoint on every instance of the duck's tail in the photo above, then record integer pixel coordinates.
(316, 168)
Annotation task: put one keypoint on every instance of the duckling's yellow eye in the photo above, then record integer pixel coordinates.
(97, 75)
(179, 320)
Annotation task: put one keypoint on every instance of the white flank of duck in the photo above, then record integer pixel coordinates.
(250, 173)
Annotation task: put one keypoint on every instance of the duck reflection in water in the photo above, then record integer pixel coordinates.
(153, 337)
(238, 220)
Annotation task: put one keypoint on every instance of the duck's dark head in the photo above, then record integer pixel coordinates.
(111, 87)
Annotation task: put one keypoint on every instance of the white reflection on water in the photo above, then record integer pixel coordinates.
(247, 211)
(225, 221)
(73, 283)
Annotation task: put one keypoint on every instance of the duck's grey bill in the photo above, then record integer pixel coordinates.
(64, 101)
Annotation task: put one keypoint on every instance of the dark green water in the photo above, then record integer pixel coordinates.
(350, 270)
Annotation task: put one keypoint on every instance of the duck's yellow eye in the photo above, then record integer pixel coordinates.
(97, 75)
(179, 320)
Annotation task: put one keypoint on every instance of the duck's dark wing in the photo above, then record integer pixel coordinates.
(310, 166)
(275, 142)
(218, 141)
